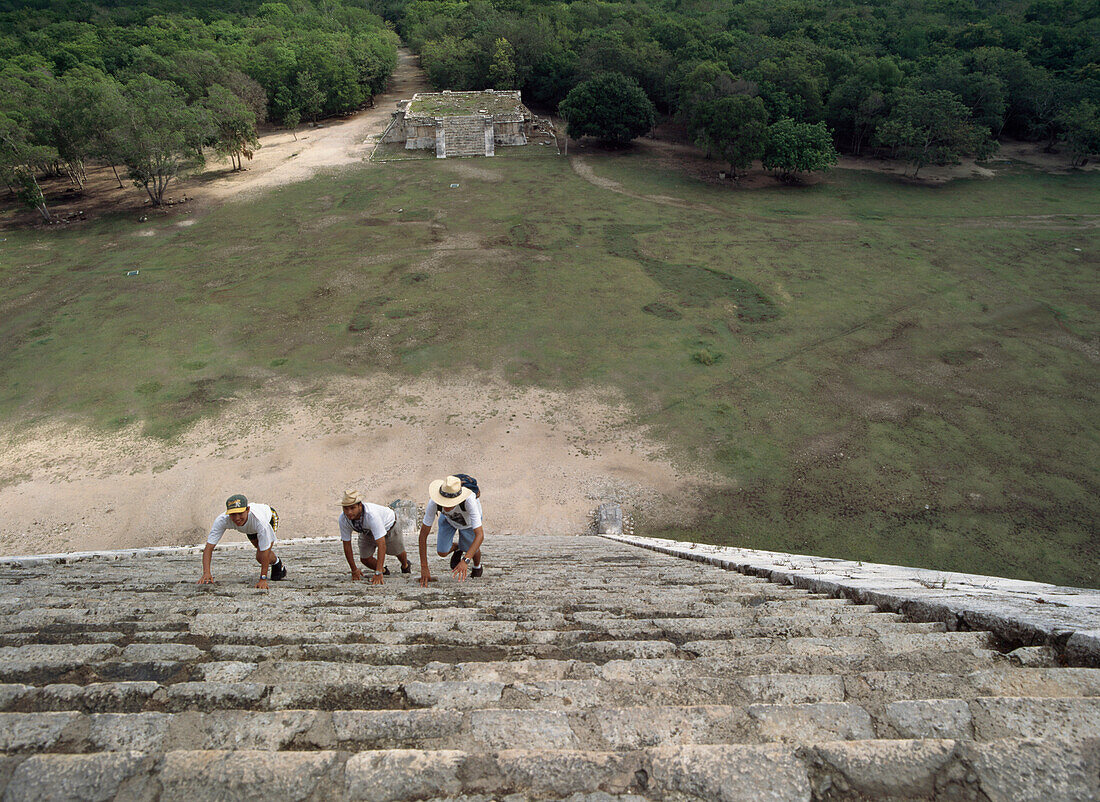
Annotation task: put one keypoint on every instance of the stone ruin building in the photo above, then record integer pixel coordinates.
(461, 123)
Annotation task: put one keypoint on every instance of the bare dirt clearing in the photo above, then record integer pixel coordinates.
(544, 461)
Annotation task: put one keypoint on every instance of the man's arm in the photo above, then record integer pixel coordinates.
(265, 561)
(425, 574)
(350, 557)
(460, 569)
(207, 553)
(379, 561)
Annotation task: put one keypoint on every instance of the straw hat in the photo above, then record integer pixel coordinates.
(448, 492)
(351, 498)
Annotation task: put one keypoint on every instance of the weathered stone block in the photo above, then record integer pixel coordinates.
(930, 718)
(521, 729)
(39, 732)
(161, 652)
(552, 773)
(214, 776)
(122, 732)
(83, 778)
(729, 773)
(214, 695)
(805, 723)
(1032, 771)
(395, 729)
(1012, 717)
(12, 694)
(43, 662)
(453, 695)
(395, 774)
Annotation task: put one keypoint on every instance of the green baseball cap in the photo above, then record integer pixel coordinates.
(236, 503)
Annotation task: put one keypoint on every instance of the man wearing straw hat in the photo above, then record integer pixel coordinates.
(459, 512)
(377, 528)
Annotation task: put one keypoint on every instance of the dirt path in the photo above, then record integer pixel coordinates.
(282, 159)
(582, 168)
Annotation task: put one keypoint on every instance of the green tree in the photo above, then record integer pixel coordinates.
(41, 103)
(310, 99)
(610, 107)
(502, 70)
(793, 148)
(20, 158)
(705, 82)
(160, 134)
(92, 112)
(291, 120)
(734, 128)
(449, 63)
(1080, 125)
(932, 128)
(856, 107)
(234, 125)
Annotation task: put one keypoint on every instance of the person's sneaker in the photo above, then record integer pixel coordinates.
(278, 571)
(475, 571)
(406, 568)
(455, 557)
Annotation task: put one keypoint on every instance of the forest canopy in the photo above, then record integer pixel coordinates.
(867, 70)
(150, 85)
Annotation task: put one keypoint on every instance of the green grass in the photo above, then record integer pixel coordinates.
(439, 104)
(888, 372)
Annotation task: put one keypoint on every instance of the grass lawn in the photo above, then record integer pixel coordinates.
(889, 372)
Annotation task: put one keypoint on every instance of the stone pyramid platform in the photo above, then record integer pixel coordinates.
(575, 668)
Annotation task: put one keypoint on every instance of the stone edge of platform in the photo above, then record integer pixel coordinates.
(31, 560)
(1017, 612)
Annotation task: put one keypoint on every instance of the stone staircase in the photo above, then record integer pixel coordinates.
(575, 668)
(465, 136)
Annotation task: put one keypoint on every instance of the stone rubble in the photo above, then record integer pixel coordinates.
(576, 668)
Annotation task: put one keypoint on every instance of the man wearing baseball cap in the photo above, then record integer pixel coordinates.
(258, 523)
(459, 512)
(377, 528)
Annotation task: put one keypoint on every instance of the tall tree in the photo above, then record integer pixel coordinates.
(20, 159)
(1080, 126)
(610, 107)
(932, 128)
(309, 96)
(856, 107)
(502, 70)
(734, 128)
(161, 135)
(234, 125)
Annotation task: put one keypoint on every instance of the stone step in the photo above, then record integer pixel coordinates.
(865, 769)
(876, 643)
(509, 689)
(634, 668)
(83, 663)
(482, 632)
(600, 729)
(125, 617)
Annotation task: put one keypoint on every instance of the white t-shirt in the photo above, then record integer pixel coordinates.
(375, 517)
(470, 519)
(258, 524)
